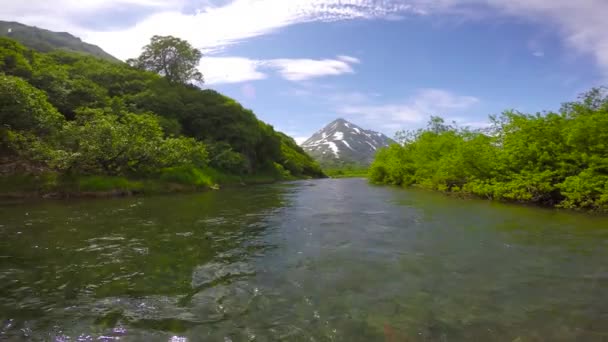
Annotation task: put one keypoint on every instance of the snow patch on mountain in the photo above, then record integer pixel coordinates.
(344, 142)
(334, 148)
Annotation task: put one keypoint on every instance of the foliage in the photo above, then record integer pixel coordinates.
(186, 175)
(23, 107)
(347, 170)
(347, 173)
(558, 159)
(74, 114)
(223, 157)
(105, 143)
(172, 58)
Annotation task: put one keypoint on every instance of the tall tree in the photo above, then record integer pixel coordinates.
(171, 57)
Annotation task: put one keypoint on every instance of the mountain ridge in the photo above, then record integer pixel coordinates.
(43, 40)
(341, 143)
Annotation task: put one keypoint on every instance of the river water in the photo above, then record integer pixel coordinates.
(322, 260)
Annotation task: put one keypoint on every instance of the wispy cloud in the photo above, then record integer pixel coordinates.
(300, 140)
(349, 59)
(582, 24)
(305, 69)
(209, 27)
(414, 110)
(230, 70)
(238, 69)
(538, 54)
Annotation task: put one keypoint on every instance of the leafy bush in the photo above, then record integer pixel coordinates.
(186, 175)
(23, 107)
(77, 114)
(557, 159)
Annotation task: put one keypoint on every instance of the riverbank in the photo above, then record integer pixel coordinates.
(468, 196)
(555, 159)
(347, 173)
(53, 186)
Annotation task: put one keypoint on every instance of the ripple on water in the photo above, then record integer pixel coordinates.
(375, 265)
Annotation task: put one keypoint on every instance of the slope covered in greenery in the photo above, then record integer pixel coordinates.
(67, 116)
(557, 159)
(45, 41)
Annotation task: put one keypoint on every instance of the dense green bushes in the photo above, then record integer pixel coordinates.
(558, 159)
(74, 114)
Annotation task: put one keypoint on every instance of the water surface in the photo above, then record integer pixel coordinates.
(323, 260)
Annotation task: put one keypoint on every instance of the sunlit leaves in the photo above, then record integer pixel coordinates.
(558, 159)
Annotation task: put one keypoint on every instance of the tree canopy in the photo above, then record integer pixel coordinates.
(171, 57)
(73, 114)
(554, 158)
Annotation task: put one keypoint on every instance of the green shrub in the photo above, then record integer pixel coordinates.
(557, 159)
(186, 175)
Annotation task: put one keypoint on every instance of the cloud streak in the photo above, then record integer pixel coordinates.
(581, 24)
(218, 70)
(210, 28)
(414, 110)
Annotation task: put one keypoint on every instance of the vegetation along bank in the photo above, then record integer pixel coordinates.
(74, 123)
(557, 159)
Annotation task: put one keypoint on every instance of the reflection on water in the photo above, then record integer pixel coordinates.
(327, 260)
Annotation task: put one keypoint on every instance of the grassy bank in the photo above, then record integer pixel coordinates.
(52, 185)
(346, 173)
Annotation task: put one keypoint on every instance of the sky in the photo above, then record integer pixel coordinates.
(385, 65)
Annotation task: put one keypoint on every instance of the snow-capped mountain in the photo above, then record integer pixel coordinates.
(342, 142)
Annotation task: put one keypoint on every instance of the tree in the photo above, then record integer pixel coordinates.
(23, 107)
(171, 57)
(128, 122)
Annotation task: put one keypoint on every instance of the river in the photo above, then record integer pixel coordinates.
(319, 260)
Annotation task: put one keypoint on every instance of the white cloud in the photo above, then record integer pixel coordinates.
(219, 70)
(538, 54)
(349, 59)
(210, 28)
(61, 7)
(305, 69)
(414, 110)
(300, 140)
(581, 23)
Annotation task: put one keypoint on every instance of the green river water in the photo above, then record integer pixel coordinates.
(322, 260)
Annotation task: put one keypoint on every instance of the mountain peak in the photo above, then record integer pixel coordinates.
(342, 142)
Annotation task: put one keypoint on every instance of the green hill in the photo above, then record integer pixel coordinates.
(45, 41)
(75, 119)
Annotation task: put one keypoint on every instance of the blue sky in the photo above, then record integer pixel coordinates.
(385, 65)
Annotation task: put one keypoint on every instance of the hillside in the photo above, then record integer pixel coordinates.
(45, 41)
(344, 143)
(67, 117)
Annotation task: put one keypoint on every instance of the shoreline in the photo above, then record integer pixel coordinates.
(157, 189)
(471, 196)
